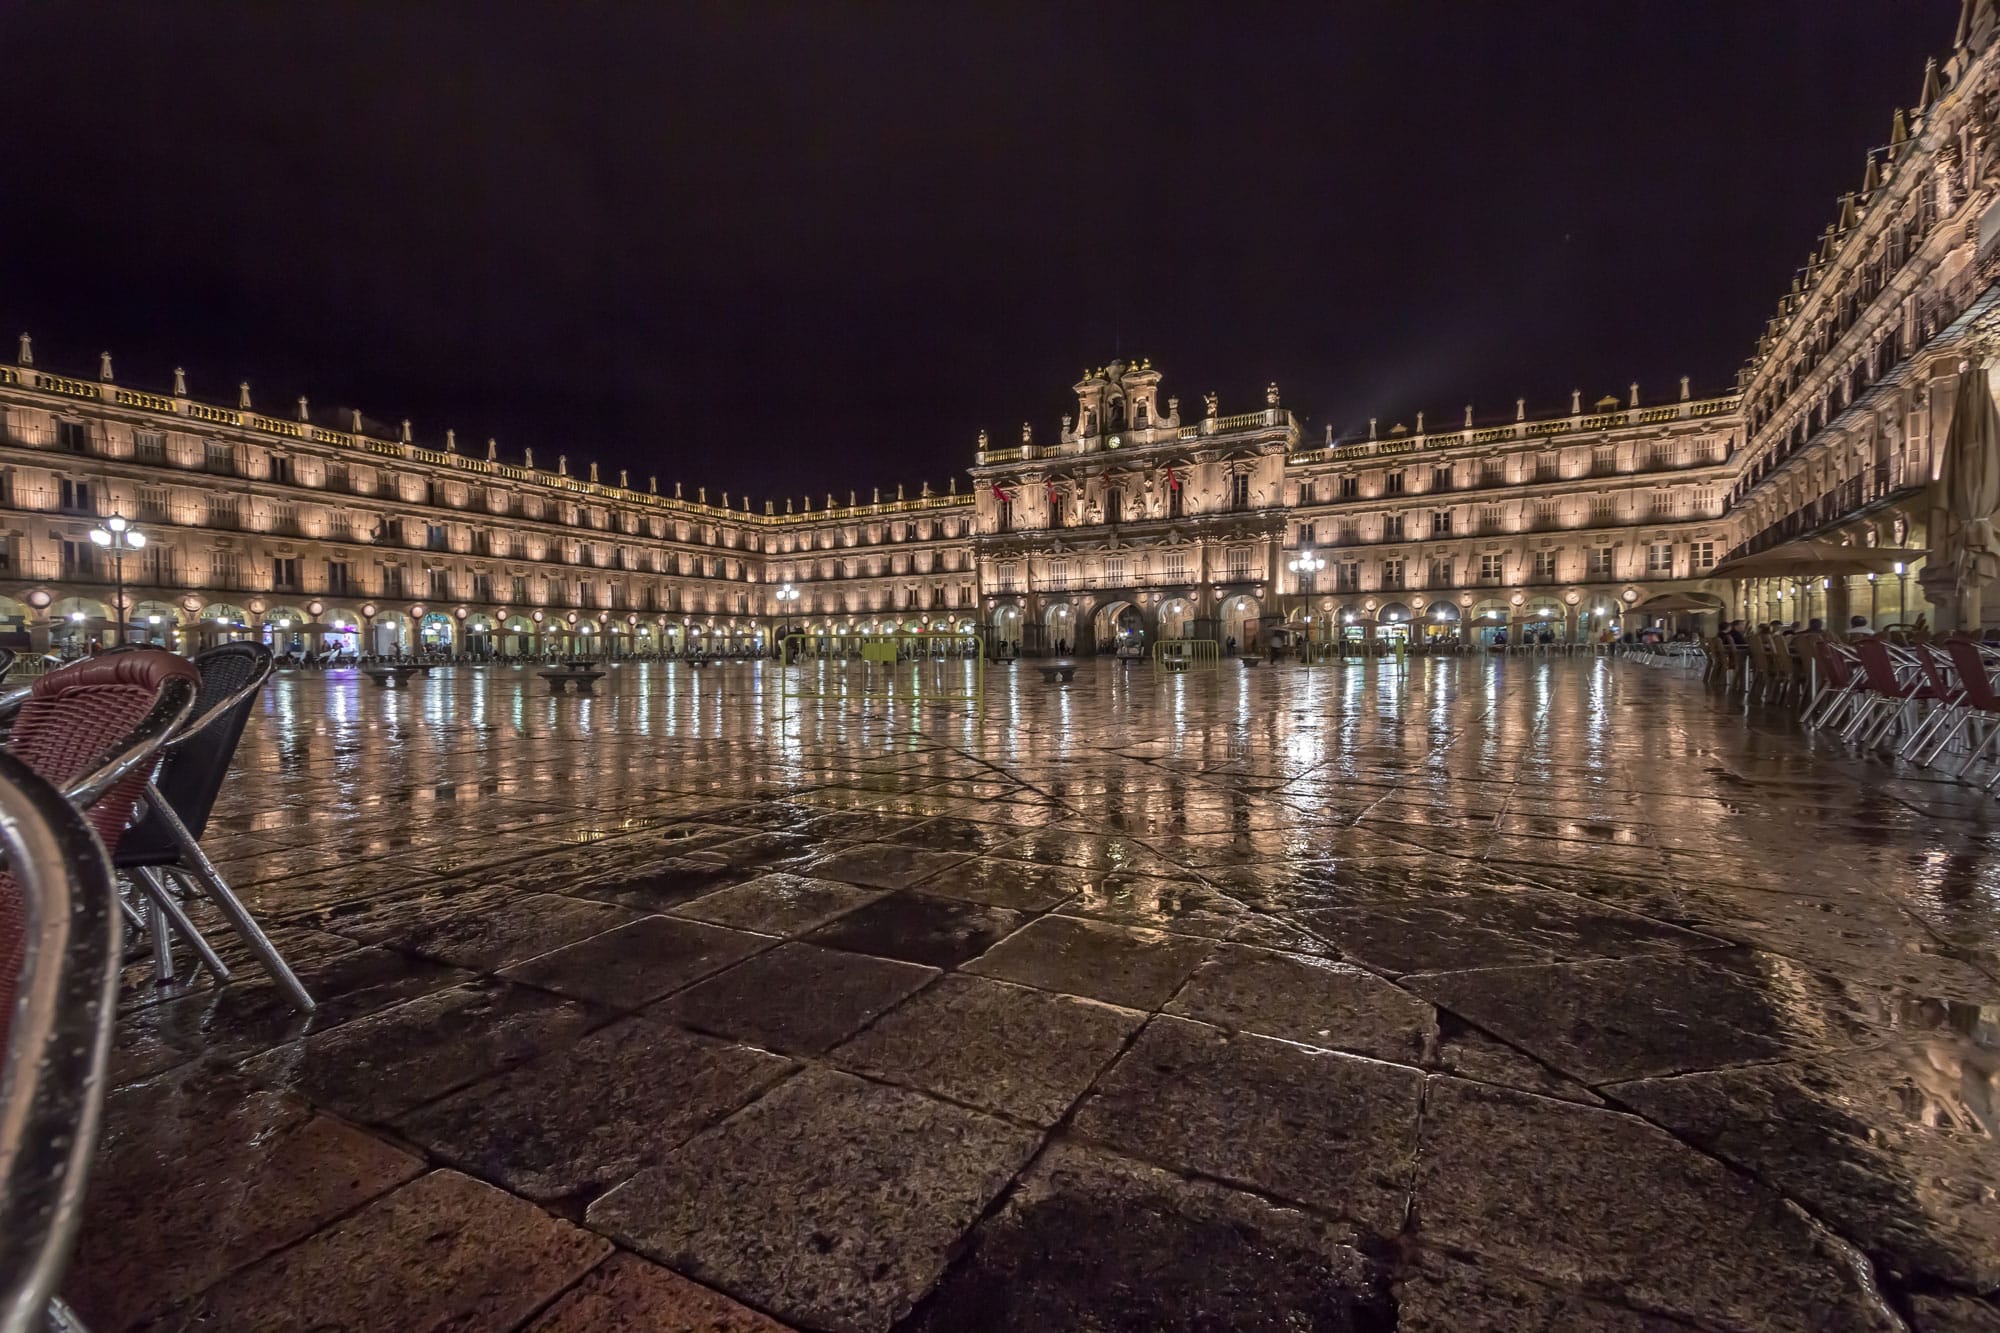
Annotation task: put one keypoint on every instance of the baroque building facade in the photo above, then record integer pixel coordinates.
(1130, 521)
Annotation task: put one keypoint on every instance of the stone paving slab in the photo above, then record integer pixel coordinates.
(832, 1202)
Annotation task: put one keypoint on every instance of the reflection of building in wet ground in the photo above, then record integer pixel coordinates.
(1483, 993)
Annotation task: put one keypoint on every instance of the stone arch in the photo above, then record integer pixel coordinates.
(1118, 624)
(1237, 619)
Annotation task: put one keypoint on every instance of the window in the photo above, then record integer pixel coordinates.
(440, 584)
(1006, 516)
(1441, 523)
(1392, 573)
(1059, 573)
(1439, 575)
(1173, 566)
(79, 560)
(393, 583)
(1003, 576)
(285, 573)
(1599, 564)
(1440, 478)
(1350, 486)
(73, 436)
(1703, 555)
(1394, 482)
(1114, 506)
(434, 538)
(1660, 558)
(1392, 527)
(1308, 534)
(153, 503)
(1239, 490)
(1173, 502)
(1347, 576)
(75, 496)
(339, 578)
(1490, 568)
(281, 470)
(482, 587)
(1057, 503)
(1545, 565)
(218, 457)
(1306, 489)
(1114, 569)
(1239, 563)
(149, 446)
(222, 569)
(520, 589)
(1545, 514)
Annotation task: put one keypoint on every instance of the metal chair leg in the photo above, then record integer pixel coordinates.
(163, 943)
(195, 862)
(160, 898)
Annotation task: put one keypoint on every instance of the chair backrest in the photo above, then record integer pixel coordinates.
(60, 936)
(1878, 665)
(1833, 662)
(105, 717)
(1932, 661)
(1972, 677)
(198, 758)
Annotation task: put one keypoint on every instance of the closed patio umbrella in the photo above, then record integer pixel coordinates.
(1808, 557)
(1970, 484)
(1679, 601)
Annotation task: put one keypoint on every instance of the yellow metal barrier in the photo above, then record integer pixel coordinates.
(919, 668)
(1186, 654)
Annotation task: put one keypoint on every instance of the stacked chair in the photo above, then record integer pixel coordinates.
(110, 764)
(1930, 703)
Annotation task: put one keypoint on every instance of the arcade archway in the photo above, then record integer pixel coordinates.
(1118, 625)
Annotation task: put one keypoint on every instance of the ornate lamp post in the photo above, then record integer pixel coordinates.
(1303, 568)
(786, 596)
(119, 537)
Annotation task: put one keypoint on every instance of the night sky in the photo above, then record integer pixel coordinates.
(802, 247)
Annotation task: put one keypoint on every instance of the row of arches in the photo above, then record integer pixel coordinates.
(73, 625)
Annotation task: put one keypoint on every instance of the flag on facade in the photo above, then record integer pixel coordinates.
(1172, 480)
(1052, 493)
(1004, 497)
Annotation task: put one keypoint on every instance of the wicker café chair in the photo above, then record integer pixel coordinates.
(60, 939)
(166, 840)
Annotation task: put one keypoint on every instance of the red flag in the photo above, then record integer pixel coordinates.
(1003, 496)
(1052, 494)
(1172, 480)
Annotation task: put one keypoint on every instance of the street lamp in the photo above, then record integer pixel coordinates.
(119, 536)
(1303, 568)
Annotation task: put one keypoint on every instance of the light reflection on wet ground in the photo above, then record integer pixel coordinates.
(1473, 995)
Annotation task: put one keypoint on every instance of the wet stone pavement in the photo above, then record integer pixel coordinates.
(1481, 995)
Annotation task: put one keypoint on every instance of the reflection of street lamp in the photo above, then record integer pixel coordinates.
(120, 537)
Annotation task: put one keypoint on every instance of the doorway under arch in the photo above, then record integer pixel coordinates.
(1176, 618)
(1239, 620)
(1119, 625)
